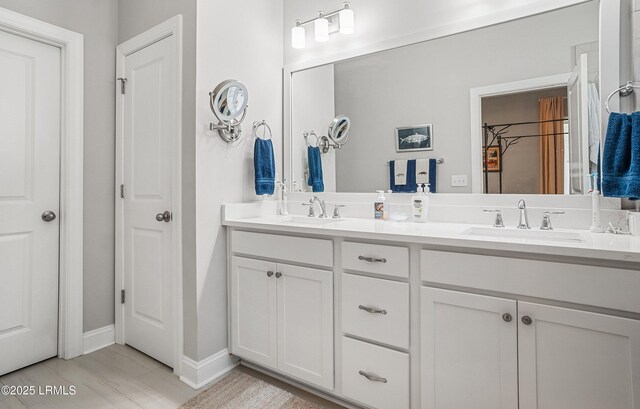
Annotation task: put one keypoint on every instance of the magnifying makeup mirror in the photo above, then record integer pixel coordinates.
(229, 103)
(338, 134)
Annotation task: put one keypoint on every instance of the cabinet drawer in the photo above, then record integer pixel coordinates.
(588, 285)
(387, 321)
(296, 249)
(373, 258)
(390, 390)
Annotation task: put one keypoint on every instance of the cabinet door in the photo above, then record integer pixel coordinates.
(577, 360)
(305, 324)
(253, 311)
(468, 351)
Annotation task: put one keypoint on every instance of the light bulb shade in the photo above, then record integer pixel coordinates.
(322, 30)
(298, 37)
(347, 25)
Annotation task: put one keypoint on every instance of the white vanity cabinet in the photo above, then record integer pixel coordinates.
(468, 350)
(477, 351)
(282, 318)
(571, 359)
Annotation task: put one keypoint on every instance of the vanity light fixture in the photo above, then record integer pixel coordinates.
(298, 36)
(322, 25)
(347, 25)
(321, 28)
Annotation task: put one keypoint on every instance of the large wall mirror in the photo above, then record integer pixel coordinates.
(511, 108)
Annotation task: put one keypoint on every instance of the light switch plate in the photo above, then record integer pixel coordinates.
(459, 181)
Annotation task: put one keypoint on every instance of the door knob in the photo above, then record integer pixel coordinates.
(507, 317)
(526, 320)
(48, 216)
(164, 217)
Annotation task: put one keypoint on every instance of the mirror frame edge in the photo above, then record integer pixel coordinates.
(609, 39)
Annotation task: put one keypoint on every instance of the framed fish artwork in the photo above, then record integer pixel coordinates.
(414, 138)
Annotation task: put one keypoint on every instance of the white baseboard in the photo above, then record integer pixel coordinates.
(198, 374)
(98, 339)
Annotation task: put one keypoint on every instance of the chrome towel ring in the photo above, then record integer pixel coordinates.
(624, 91)
(262, 124)
(306, 138)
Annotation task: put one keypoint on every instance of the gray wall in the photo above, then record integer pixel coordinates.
(97, 21)
(430, 82)
(521, 162)
(135, 17)
(253, 55)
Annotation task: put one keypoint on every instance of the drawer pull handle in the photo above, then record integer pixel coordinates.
(373, 378)
(372, 310)
(372, 259)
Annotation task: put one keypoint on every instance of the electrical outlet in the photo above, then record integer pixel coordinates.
(459, 180)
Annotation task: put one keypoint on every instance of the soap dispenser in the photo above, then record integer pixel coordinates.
(378, 206)
(420, 205)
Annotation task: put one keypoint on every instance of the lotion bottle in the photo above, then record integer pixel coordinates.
(420, 205)
(378, 206)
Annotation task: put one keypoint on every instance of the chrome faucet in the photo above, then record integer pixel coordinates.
(323, 206)
(524, 220)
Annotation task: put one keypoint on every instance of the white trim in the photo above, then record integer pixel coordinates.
(98, 339)
(533, 84)
(198, 374)
(170, 28)
(71, 45)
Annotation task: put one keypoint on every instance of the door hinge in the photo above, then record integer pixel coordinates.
(122, 296)
(123, 81)
(122, 191)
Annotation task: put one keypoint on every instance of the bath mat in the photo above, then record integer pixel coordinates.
(239, 390)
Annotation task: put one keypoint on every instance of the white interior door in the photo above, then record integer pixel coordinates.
(29, 186)
(469, 351)
(149, 133)
(578, 97)
(254, 333)
(572, 359)
(305, 324)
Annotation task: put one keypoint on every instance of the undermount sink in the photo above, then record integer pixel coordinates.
(539, 235)
(310, 220)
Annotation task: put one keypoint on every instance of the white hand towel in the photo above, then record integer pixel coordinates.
(400, 170)
(422, 171)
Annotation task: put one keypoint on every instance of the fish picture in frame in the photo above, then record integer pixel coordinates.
(414, 138)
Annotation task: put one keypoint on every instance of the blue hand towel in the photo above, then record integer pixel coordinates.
(265, 166)
(411, 185)
(315, 179)
(433, 187)
(621, 161)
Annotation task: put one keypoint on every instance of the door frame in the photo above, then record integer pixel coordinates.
(70, 268)
(515, 87)
(170, 28)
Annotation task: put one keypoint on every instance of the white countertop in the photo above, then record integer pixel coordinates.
(605, 246)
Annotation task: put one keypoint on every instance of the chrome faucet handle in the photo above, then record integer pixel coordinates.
(524, 219)
(312, 212)
(323, 206)
(499, 223)
(546, 220)
(336, 211)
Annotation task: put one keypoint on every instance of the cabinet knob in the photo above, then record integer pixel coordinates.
(526, 320)
(278, 274)
(507, 317)
(269, 273)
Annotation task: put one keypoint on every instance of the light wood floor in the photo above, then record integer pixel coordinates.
(114, 377)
